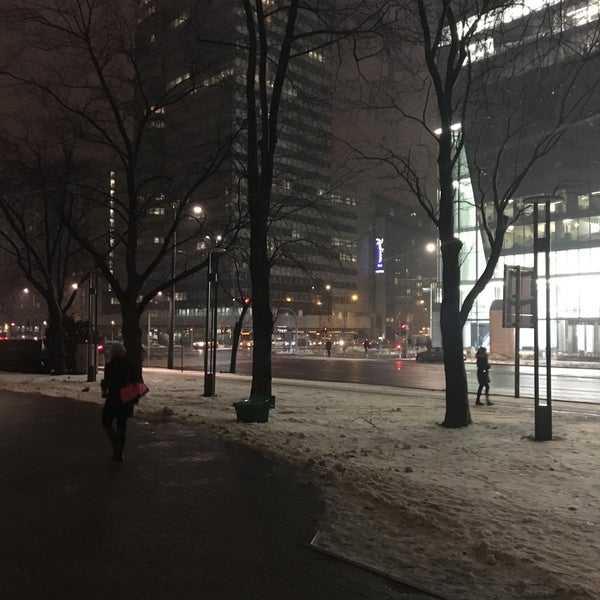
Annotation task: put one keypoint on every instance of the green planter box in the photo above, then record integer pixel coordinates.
(252, 410)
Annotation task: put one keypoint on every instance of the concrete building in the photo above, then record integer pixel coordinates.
(193, 61)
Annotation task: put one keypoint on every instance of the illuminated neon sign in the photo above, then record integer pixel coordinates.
(379, 254)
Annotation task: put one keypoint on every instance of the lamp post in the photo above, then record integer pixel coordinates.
(543, 407)
(210, 337)
(170, 343)
(92, 317)
(198, 213)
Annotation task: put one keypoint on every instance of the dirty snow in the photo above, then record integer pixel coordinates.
(470, 514)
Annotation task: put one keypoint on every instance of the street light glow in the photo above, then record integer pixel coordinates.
(430, 247)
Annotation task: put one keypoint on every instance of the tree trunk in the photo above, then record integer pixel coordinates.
(55, 345)
(262, 318)
(457, 394)
(132, 336)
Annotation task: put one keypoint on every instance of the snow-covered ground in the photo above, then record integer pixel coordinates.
(470, 514)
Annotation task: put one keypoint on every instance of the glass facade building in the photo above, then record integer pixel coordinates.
(568, 174)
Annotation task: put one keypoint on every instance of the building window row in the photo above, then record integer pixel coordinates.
(175, 82)
(214, 79)
(585, 229)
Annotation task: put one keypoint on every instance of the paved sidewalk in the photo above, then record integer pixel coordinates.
(186, 516)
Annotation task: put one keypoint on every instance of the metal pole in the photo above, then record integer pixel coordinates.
(95, 325)
(536, 358)
(548, 338)
(148, 337)
(170, 343)
(208, 377)
(543, 410)
(517, 331)
(210, 339)
(91, 371)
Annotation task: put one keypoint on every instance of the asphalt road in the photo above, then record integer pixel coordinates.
(568, 383)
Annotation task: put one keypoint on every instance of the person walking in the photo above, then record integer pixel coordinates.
(328, 347)
(366, 346)
(117, 373)
(483, 376)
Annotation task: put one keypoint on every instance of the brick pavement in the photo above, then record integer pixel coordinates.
(187, 516)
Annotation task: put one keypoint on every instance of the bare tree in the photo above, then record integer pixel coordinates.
(276, 35)
(36, 171)
(468, 85)
(94, 65)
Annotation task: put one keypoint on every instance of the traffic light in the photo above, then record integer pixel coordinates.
(403, 329)
(247, 301)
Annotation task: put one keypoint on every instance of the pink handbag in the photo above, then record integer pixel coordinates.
(131, 392)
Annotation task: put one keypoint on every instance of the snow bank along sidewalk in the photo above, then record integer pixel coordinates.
(470, 514)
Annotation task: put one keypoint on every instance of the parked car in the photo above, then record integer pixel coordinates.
(436, 354)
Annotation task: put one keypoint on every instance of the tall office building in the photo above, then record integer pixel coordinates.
(194, 64)
(534, 45)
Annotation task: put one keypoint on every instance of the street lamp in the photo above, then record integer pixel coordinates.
(170, 343)
(543, 408)
(92, 319)
(210, 338)
(198, 212)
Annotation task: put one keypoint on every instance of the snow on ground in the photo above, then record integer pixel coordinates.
(470, 514)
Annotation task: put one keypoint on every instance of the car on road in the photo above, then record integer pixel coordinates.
(199, 345)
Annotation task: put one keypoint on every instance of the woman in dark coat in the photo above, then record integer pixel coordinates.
(117, 373)
(483, 376)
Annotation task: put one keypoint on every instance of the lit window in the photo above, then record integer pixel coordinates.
(583, 201)
(180, 20)
(158, 240)
(157, 210)
(584, 15)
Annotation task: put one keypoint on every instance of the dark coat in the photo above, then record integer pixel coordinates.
(117, 373)
(483, 368)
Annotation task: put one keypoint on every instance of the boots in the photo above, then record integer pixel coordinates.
(117, 440)
(488, 401)
(478, 402)
(119, 446)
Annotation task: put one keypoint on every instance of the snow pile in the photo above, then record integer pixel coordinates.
(471, 514)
